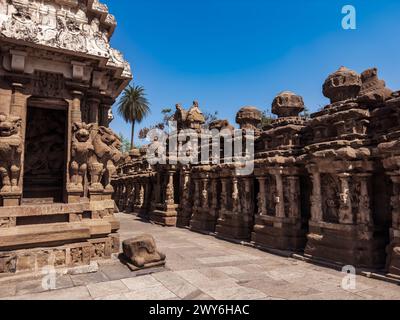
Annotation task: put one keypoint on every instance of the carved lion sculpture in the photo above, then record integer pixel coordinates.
(142, 252)
(107, 155)
(82, 148)
(10, 152)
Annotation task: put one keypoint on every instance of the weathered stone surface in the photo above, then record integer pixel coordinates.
(59, 79)
(248, 118)
(327, 185)
(342, 85)
(287, 104)
(142, 252)
(373, 90)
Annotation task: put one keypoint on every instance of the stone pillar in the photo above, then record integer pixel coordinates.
(235, 196)
(103, 119)
(204, 194)
(94, 110)
(262, 203)
(128, 196)
(247, 198)
(196, 195)
(18, 101)
(224, 194)
(18, 108)
(147, 194)
(294, 196)
(141, 196)
(157, 192)
(346, 209)
(316, 205)
(393, 250)
(186, 187)
(169, 199)
(76, 114)
(395, 202)
(280, 203)
(365, 213)
(214, 194)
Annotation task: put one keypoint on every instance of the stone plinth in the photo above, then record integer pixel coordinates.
(165, 215)
(63, 235)
(141, 253)
(288, 234)
(203, 219)
(234, 226)
(346, 245)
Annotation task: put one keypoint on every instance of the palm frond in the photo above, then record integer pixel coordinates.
(133, 105)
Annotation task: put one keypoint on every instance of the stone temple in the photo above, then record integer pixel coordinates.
(58, 80)
(326, 186)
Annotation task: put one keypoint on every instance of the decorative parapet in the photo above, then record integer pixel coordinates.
(78, 26)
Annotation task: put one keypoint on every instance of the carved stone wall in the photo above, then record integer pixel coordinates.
(59, 78)
(318, 185)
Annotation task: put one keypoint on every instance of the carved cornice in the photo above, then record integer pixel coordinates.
(65, 25)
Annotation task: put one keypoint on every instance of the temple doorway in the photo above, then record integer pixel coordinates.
(45, 151)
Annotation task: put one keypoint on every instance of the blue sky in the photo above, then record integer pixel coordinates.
(230, 53)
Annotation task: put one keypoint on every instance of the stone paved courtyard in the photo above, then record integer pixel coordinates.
(202, 267)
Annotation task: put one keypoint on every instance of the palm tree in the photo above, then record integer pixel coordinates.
(133, 107)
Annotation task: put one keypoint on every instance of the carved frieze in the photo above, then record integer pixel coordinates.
(53, 25)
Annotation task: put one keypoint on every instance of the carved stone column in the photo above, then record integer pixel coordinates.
(104, 110)
(247, 203)
(262, 203)
(204, 194)
(94, 104)
(186, 188)
(345, 210)
(169, 199)
(235, 196)
(224, 194)
(294, 196)
(157, 192)
(280, 201)
(141, 195)
(128, 196)
(147, 194)
(214, 194)
(316, 205)
(196, 195)
(18, 101)
(76, 114)
(365, 213)
(395, 202)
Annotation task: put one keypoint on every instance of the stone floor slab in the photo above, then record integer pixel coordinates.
(201, 267)
(103, 289)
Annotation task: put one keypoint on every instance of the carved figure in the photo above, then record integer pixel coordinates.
(107, 155)
(10, 152)
(82, 147)
(142, 252)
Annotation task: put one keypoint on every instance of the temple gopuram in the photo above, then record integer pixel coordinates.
(326, 186)
(58, 80)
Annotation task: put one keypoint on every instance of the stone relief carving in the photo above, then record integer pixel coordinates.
(272, 196)
(330, 198)
(57, 27)
(10, 152)
(47, 84)
(82, 147)
(142, 252)
(107, 154)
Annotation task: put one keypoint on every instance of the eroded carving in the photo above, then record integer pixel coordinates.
(141, 252)
(10, 152)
